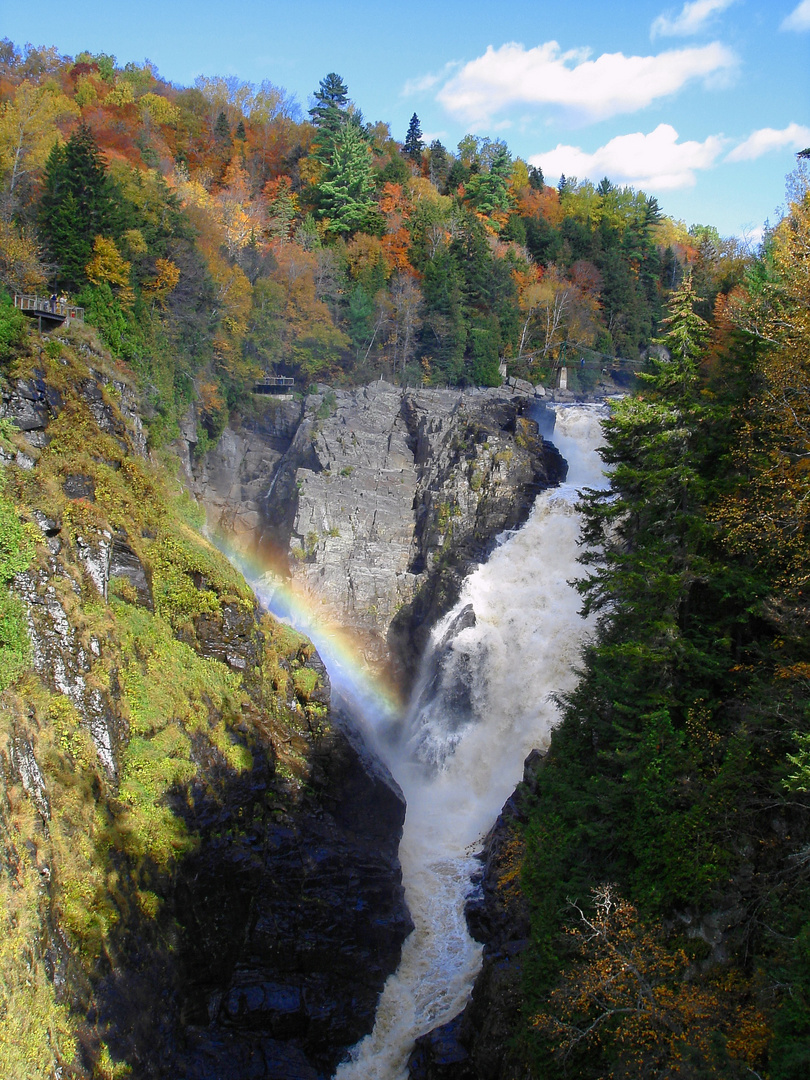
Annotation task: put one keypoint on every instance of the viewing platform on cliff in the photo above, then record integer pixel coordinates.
(274, 384)
(48, 311)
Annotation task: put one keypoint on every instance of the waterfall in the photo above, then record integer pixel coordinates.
(481, 704)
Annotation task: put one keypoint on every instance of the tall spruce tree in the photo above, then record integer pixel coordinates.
(222, 131)
(78, 203)
(414, 144)
(536, 178)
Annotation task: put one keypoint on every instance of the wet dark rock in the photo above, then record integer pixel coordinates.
(293, 921)
(31, 404)
(441, 1054)
(124, 563)
(228, 1058)
(28, 415)
(231, 635)
(77, 486)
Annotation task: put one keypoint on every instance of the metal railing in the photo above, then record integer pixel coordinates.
(44, 305)
(269, 384)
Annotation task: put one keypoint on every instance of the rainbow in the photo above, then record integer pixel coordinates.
(369, 690)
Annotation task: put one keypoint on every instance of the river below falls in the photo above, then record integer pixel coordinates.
(483, 702)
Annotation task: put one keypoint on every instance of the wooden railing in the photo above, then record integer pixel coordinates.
(44, 305)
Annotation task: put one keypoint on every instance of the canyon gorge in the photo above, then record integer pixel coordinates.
(268, 923)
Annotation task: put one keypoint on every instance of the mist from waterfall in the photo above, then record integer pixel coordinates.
(481, 704)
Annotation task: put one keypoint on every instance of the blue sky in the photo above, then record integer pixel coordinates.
(702, 104)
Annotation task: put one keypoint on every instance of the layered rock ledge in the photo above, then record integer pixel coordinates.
(379, 500)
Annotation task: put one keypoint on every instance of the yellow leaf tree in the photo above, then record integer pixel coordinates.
(641, 1008)
(108, 266)
(28, 129)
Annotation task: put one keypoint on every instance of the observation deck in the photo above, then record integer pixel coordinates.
(47, 311)
(274, 384)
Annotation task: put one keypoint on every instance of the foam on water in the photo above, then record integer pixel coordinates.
(483, 703)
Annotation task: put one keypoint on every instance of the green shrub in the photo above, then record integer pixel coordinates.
(13, 329)
(17, 545)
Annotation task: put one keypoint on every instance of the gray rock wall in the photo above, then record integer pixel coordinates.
(382, 498)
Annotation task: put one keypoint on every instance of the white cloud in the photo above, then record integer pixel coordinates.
(422, 83)
(752, 236)
(693, 17)
(799, 18)
(794, 136)
(590, 89)
(655, 162)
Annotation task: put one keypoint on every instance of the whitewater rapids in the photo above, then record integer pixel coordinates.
(482, 704)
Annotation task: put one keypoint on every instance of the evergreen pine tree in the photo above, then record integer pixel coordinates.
(78, 203)
(345, 195)
(414, 144)
(489, 192)
(329, 115)
(331, 97)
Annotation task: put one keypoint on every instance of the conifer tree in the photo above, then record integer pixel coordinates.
(329, 115)
(78, 203)
(345, 195)
(222, 131)
(685, 339)
(331, 97)
(414, 144)
(488, 192)
(439, 166)
(536, 179)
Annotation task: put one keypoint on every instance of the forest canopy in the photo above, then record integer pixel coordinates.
(218, 231)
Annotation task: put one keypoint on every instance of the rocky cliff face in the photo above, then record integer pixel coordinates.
(382, 499)
(201, 857)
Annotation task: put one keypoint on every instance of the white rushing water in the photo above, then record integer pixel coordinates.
(482, 704)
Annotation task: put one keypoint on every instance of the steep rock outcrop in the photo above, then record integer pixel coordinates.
(232, 479)
(384, 498)
(212, 851)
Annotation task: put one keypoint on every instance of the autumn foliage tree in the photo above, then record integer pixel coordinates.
(631, 1007)
(199, 187)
